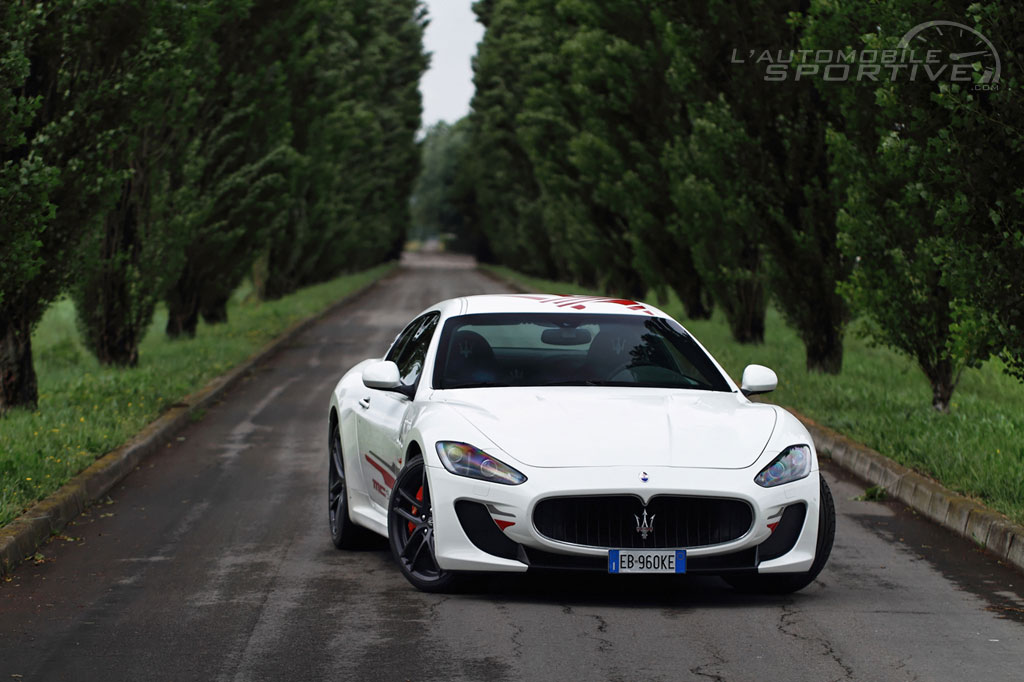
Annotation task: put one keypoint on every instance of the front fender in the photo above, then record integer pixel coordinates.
(430, 422)
(788, 431)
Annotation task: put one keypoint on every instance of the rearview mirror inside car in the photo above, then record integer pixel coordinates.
(565, 336)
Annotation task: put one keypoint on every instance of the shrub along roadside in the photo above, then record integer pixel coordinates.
(879, 399)
(86, 410)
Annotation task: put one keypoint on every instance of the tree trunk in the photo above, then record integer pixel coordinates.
(696, 304)
(825, 352)
(747, 328)
(943, 378)
(18, 386)
(181, 321)
(626, 282)
(942, 394)
(276, 287)
(111, 311)
(746, 312)
(743, 297)
(119, 345)
(183, 306)
(689, 287)
(215, 311)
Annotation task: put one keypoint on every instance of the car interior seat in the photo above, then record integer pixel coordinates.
(470, 360)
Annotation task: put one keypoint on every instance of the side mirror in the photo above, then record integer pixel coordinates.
(758, 379)
(383, 375)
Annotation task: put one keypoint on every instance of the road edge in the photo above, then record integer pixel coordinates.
(929, 498)
(20, 539)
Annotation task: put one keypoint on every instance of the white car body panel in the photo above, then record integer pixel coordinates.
(569, 441)
(593, 426)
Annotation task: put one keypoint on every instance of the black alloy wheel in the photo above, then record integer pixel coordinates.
(344, 533)
(411, 530)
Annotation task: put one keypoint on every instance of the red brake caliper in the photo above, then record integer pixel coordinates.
(419, 496)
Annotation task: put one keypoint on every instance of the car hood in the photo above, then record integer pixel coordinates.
(612, 426)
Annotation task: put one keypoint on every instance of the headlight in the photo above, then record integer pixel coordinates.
(465, 460)
(793, 464)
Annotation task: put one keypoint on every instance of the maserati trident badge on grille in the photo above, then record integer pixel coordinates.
(646, 526)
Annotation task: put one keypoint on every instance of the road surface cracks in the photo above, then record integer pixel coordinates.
(719, 660)
(788, 624)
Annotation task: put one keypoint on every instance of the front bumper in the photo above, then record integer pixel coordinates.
(513, 507)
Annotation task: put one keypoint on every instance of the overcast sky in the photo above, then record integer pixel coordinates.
(451, 38)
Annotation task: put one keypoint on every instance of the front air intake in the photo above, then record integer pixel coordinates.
(481, 530)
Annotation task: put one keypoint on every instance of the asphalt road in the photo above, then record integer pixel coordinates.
(213, 562)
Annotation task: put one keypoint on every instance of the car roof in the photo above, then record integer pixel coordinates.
(547, 303)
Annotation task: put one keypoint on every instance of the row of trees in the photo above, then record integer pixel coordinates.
(442, 198)
(633, 144)
(160, 150)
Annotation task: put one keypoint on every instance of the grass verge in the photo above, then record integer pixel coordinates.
(86, 410)
(882, 399)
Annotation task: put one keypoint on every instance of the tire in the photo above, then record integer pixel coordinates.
(411, 530)
(344, 533)
(784, 583)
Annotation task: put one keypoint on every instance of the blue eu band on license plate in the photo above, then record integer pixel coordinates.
(647, 561)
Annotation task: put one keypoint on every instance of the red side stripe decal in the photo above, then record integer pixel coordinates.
(389, 479)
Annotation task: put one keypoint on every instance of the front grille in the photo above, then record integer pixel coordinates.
(611, 521)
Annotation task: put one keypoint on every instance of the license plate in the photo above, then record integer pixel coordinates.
(647, 561)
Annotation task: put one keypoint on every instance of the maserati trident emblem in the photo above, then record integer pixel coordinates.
(646, 526)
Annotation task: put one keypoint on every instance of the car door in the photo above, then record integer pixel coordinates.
(381, 413)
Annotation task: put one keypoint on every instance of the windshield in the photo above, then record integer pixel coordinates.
(576, 349)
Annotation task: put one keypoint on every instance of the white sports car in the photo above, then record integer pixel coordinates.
(515, 432)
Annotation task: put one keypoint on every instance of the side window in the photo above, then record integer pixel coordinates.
(412, 354)
(402, 340)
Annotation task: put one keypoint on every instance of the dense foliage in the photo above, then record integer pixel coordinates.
(356, 109)
(139, 105)
(436, 210)
(158, 150)
(726, 152)
(933, 176)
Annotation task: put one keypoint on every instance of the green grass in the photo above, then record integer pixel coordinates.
(86, 410)
(883, 400)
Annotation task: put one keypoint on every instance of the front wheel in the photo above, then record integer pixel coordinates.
(411, 530)
(784, 583)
